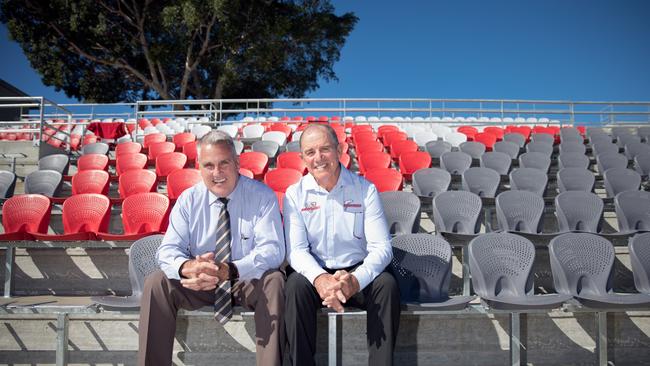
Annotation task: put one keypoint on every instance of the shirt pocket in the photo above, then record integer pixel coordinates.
(246, 237)
(355, 213)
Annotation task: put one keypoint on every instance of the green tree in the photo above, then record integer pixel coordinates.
(109, 51)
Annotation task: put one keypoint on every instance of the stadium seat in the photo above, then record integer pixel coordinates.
(254, 131)
(516, 138)
(469, 131)
(571, 135)
(256, 162)
(281, 127)
(635, 148)
(402, 211)
(45, 182)
(278, 137)
(575, 179)
(520, 211)
(455, 138)
(644, 133)
(429, 182)
(437, 148)
(128, 148)
(200, 130)
(507, 147)
(180, 180)
(600, 148)
(169, 162)
(363, 136)
(579, 211)
(126, 162)
(345, 160)
(642, 164)
(541, 147)
(487, 139)
(281, 178)
(292, 160)
(57, 162)
(455, 162)
(572, 147)
(385, 179)
(90, 181)
(293, 146)
(529, 179)
(639, 248)
(7, 184)
(482, 181)
(632, 211)
(269, 148)
(159, 148)
(136, 181)
(384, 130)
(393, 136)
(498, 132)
(501, 266)
(402, 146)
(542, 137)
(231, 130)
(442, 131)
(582, 265)
(536, 160)
(142, 262)
(190, 151)
(410, 162)
(373, 160)
(25, 214)
(497, 161)
(618, 180)
(154, 138)
(423, 137)
(143, 214)
(624, 140)
(180, 139)
(84, 215)
(572, 160)
(92, 162)
(366, 146)
(472, 148)
(246, 173)
(95, 148)
(457, 212)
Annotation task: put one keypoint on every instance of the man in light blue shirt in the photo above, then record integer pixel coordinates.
(189, 273)
(338, 247)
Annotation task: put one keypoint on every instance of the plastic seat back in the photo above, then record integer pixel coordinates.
(200, 130)
(482, 181)
(609, 160)
(128, 148)
(457, 212)
(516, 138)
(399, 147)
(529, 179)
(423, 137)
(520, 211)
(291, 160)
(627, 139)
(136, 181)
(639, 247)
(421, 265)
(410, 162)
(153, 138)
(540, 147)
(618, 180)
(632, 210)
(159, 148)
(579, 211)
(543, 138)
(293, 146)
(488, 139)
(278, 137)
(145, 212)
(255, 161)
(180, 139)
(402, 211)
(169, 162)
(472, 148)
(572, 147)
(497, 161)
(429, 182)
(56, 162)
(507, 147)
(363, 147)
(7, 184)
(575, 179)
(92, 162)
(27, 213)
(642, 164)
(373, 160)
(95, 148)
(253, 131)
(281, 178)
(602, 147)
(385, 179)
(536, 160)
(455, 162)
(437, 148)
(86, 213)
(90, 181)
(572, 160)
(180, 180)
(142, 262)
(635, 148)
(126, 162)
(45, 182)
(231, 130)
(269, 148)
(455, 138)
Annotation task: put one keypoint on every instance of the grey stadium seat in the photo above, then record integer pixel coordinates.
(501, 266)
(633, 211)
(516, 138)
(498, 161)
(624, 140)
(270, 148)
(570, 134)
(437, 148)
(536, 160)
(455, 162)
(572, 147)
(644, 133)
(402, 211)
(540, 147)
(572, 160)
(600, 139)
(618, 180)
(482, 181)
(579, 211)
(507, 147)
(95, 148)
(639, 247)
(575, 179)
(239, 146)
(528, 179)
(635, 148)
(543, 138)
(457, 212)
(642, 164)
(57, 162)
(45, 182)
(142, 262)
(472, 148)
(520, 211)
(604, 147)
(610, 160)
(617, 132)
(7, 184)
(422, 266)
(582, 266)
(293, 146)
(430, 181)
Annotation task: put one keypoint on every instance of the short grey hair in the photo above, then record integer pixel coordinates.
(216, 138)
(331, 134)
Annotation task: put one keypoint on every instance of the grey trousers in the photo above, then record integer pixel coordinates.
(162, 298)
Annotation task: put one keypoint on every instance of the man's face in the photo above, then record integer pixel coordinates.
(320, 155)
(219, 169)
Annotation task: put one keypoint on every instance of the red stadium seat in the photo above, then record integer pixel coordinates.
(246, 173)
(25, 214)
(385, 179)
(524, 130)
(143, 214)
(280, 179)
(180, 139)
(180, 180)
(382, 131)
(487, 139)
(127, 148)
(394, 136)
(363, 147)
(84, 215)
(373, 160)
(169, 162)
(469, 131)
(153, 138)
(160, 148)
(345, 160)
(358, 128)
(401, 146)
(126, 162)
(496, 131)
(256, 162)
(358, 137)
(282, 127)
(136, 181)
(344, 147)
(291, 160)
(92, 162)
(190, 151)
(411, 162)
(90, 181)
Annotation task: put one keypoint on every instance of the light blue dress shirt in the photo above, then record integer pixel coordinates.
(336, 229)
(257, 243)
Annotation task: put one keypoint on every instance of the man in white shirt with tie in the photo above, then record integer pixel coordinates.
(338, 247)
(224, 214)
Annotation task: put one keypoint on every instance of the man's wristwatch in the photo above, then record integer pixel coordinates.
(233, 272)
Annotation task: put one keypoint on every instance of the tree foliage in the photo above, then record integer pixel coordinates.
(108, 51)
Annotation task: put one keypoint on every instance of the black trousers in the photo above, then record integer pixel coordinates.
(380, 299)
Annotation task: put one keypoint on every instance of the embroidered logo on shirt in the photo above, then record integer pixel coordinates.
(312, 207)
(349, 203)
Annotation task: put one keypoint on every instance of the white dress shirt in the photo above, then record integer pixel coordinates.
(257, 241)
(336, 229)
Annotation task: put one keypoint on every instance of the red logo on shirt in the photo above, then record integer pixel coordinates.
(312, 207)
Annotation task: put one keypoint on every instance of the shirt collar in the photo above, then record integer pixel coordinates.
(215, 200)
(344, 180)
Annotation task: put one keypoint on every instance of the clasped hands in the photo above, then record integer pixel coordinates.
(336, 289)
(202, 273)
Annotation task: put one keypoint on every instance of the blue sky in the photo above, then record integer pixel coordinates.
(549, 50)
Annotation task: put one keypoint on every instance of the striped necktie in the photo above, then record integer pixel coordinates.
(223, 300)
